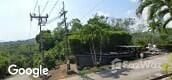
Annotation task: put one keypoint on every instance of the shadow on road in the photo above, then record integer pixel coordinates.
(114, 73)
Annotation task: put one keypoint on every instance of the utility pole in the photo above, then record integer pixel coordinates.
(63, 14)
(40, 24)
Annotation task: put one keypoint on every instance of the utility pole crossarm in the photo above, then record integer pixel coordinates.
(39, 16)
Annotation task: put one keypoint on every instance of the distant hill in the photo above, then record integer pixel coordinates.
(19, 42)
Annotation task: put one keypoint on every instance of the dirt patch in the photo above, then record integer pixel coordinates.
(59, 73)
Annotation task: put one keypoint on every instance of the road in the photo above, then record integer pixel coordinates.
(129, 73)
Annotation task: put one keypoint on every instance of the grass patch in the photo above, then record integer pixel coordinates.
(166, 68)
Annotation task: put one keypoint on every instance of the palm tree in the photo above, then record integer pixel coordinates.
(157, 10)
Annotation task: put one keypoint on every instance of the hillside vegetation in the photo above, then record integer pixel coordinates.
(100, 34)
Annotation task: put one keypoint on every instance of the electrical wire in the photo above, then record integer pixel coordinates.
(51, 10)
(45, 6)
(52, 20)
(92, 9)
(36, 4)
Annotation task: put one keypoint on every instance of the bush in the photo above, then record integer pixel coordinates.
(112, 39)
(4, 63)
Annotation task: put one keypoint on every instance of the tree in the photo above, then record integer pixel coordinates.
(96, 37)
(75, 25)
(59, 34)
(122, 24)
(47, 39)
(98, 26)
(157, 10)
(91, 33)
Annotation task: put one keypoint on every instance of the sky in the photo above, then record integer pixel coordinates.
(15, 21)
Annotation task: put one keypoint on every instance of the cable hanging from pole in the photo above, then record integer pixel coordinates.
(51, 10)
(36, 4)
(92, 9)
(52, 20)
(45, 6)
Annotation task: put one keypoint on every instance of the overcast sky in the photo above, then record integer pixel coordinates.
(15, 20)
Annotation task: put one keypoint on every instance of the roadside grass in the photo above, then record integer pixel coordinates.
(167, 68)
(170, 57)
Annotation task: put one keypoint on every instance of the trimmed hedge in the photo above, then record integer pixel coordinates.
(112, 39)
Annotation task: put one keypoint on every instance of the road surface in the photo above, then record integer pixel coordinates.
(128, 73)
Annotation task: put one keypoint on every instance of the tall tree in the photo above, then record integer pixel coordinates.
(75, 25)
(47, 39)
(94, 33)
(59, 34)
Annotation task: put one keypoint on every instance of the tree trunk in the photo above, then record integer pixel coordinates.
(100, 51)
(94, 53)
(91, 51)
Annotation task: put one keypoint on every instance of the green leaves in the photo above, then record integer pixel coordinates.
(96, 37)
(156, 11)
(47, 39)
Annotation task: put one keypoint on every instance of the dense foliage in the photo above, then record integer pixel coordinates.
(18, 53)
(160, 39)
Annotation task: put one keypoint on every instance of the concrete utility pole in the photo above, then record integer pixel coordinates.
(66, 35)
(63, 14)
(40, 23)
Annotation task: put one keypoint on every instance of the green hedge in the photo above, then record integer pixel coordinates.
(110, 40)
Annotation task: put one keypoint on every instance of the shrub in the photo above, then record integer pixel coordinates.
(112, 39)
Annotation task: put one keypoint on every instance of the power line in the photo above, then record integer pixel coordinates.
(45, 6)
(52, 20)
(36, 4)
(53, 7)
(92, 9)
